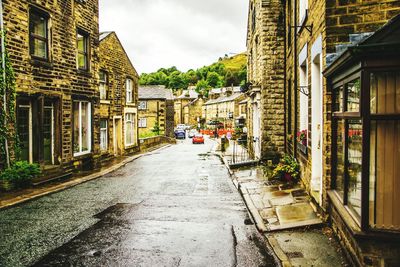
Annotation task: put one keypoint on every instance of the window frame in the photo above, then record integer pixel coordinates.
(85, 53)
(141, 124)
(132, 122)
(33, 11)
(89, 122)
(129, 90)
(104, 82)
(104, 147)
(142, 105)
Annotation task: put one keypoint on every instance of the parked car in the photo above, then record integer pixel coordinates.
(198, 139)
(180, 134)
(192, 133)
(180, 127)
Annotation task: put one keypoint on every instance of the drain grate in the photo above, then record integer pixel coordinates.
(296, 254)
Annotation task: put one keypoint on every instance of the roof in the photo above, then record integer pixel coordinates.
(189, 94)
(224, 99)
(155, 92)
(384, 42)
(103, 35)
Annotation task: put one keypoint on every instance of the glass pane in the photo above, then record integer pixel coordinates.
(385, 92)
(338, 99)
(103, 124)
(47, 135)
(384, 175)
(85, 126)
(82, 61)
(103, 139)
(339, 185)
(102, 76)
(76, 127)
(23, 132)
(353, 95)
(128, 133)
(354, 154)
(39, 48)
(39, 25)
(81, 43)
(103, 91)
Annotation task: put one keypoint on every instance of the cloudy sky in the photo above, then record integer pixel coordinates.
(182, 33)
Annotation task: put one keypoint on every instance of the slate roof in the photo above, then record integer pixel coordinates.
(224, 99)
(191, 94)
(155, 92)
(103, 35)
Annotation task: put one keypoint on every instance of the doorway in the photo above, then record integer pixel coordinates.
(316, 127)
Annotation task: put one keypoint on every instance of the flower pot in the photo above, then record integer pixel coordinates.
(288, 177)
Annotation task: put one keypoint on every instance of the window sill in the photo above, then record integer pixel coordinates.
(83, 72)
(82, 154)
(130, 146)
(130, 104)
(104, 101)
(41, 62)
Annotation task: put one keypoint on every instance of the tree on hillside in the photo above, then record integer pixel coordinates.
(215, 80)
(191, 77)
(177, 80)
(202, 87)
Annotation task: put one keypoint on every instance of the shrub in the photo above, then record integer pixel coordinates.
(288, 169)
(19, 175)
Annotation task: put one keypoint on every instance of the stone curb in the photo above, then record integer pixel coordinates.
(77, 181)
(273, 243)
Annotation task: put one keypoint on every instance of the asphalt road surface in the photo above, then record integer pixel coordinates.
(173, 207)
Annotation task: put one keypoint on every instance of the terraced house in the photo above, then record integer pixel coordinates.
(53, 49)
(118, 91)
(340, 119)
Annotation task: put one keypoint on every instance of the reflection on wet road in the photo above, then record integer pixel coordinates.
(174, 207)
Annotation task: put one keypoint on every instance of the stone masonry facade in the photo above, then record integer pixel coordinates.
(48, 85)
(117, 68)
(265, 47)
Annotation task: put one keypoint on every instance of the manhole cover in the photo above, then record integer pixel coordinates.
(295, 254)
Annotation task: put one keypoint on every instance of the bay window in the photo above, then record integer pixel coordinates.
(82, 127)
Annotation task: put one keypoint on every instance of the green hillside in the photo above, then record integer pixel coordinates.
(234, 63)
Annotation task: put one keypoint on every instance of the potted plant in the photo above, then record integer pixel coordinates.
(302, 137)
(19, 175)
(287, 170)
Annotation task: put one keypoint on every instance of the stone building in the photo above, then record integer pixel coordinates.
(316, 33)
(225, 108)
(181, 101)
(266, 74)
(53, 48)
(118, 91)
(156, 108)
(192, 112)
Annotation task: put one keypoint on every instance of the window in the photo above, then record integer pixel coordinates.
(348, 139)
(38, 28)
(143, 105)
(129, 90)
(103, 135)
(24, 122)
(303, 103)
(48, 132)
(384, 170)
(82, 127)
(129, 129)
(82, 50)
(142, 123)
(103, 85)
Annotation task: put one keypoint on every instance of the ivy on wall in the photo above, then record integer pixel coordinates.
(7, 116)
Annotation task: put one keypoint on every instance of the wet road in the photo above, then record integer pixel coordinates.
(173, 207)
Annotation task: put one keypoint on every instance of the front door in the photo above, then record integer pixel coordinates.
(316, 127)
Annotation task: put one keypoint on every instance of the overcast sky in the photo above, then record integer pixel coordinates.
(182, 33)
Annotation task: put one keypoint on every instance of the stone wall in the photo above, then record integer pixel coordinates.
(265, 47)
(147, 143)
(56, 77)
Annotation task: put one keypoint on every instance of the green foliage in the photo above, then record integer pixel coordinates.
(156, 129)
(227, 72)
(288, 166)
(202, 87)
(7, 87)
(20, 174)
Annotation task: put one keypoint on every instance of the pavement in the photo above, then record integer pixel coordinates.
(285, 215)
(175, 206)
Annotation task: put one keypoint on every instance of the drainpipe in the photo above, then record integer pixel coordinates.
(3, 63)
(295, 86)
(284, 79)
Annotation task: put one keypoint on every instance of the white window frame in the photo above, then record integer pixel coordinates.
(29, 107)
(89, 136)
(129, 90)
(142, 105)
(104, 146)
(303, 82)
(142, 123)
(103, 86)
(131, 121)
